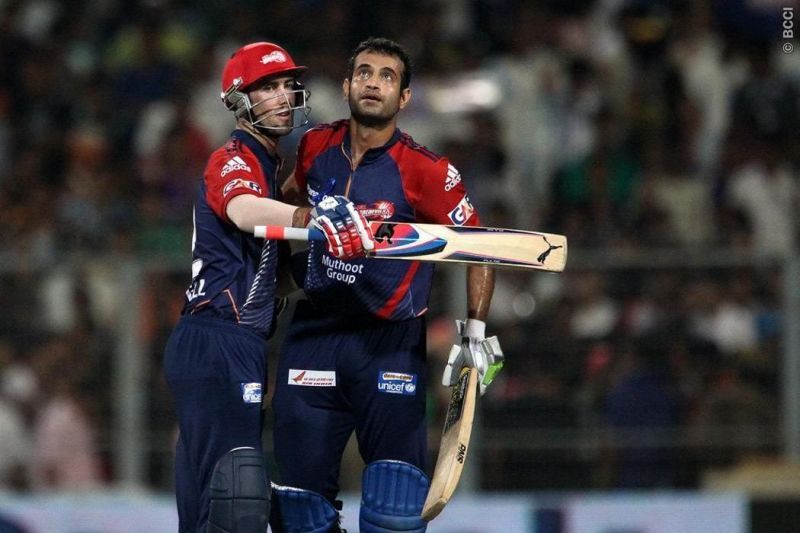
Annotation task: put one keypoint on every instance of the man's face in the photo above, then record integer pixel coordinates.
(373, 91)
(271, 101)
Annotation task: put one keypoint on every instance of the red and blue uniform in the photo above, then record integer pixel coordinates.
(215, 357)
(354, 357)
(401, 181)
(233, 273)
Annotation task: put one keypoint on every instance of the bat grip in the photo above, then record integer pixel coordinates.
(281, 233)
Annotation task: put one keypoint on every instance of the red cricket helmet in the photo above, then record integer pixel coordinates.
(254, 62)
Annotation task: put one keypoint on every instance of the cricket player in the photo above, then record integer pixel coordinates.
(354, 354)
(215, 357)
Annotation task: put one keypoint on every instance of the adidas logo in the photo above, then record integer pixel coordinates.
(453, 178)
(237, 163)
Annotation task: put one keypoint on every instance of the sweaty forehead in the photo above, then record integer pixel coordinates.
(378, 61)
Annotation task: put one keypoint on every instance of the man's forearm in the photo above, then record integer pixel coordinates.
(248, 211)
(480, 287)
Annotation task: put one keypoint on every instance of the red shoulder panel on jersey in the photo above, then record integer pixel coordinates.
(233, 147)
(407, 140)
(433, 186)
(314, 142)
(233, 170)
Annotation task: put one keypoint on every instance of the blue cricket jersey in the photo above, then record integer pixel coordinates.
(233, 273)
(401, 181)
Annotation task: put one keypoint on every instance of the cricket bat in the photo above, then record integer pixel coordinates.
(459, 244)
(455, 443)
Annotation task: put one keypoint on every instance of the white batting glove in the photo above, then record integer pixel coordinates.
(346, 230)
(475, 351)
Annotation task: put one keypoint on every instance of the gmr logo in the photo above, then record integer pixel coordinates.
(461, 213)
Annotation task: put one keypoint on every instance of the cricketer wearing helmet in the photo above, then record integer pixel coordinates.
(354, 357)
(215, 357)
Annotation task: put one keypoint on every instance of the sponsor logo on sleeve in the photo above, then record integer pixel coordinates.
(461, 213)
(251, 392)
(453, 178)
(312, 378)
(239, 183)
(236, 163)
(397, 383)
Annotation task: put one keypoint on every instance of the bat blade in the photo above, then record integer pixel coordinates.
(454, 444)
(437, 243)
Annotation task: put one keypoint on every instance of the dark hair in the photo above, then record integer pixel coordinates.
(383, 46)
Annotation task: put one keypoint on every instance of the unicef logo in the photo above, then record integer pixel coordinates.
(410, 387)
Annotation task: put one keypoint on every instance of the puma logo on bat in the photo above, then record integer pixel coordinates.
(543, 256)
(385, 231)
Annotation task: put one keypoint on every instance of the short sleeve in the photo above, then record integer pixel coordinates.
(229, 174)
(441, 197)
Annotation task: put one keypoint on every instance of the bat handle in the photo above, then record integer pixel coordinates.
(282, 233)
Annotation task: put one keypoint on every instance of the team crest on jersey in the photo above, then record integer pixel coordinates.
(397, 383)
(251, 392)
(236, 163)
(461, 213)
(239, 184)
(380, 210)
(453, 178)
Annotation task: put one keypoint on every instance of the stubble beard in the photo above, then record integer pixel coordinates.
(273, 129)
(370, 120)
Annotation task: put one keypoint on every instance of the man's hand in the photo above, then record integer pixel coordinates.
(346, 230)
(475, 351)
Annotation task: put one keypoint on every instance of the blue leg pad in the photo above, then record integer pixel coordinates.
(301, 511)
(392, 496)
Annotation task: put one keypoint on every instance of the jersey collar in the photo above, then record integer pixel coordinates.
(256, 147)
(373, 153)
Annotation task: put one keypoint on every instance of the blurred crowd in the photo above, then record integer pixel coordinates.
(627, 125)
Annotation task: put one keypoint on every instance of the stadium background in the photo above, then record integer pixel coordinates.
(660, 136)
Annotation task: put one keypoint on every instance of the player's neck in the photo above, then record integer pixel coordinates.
(268, 142)
(362, 137)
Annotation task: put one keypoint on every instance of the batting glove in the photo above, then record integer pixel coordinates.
(475, 351)
(346, 230)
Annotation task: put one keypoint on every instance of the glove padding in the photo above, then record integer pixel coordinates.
(475, 351)
(346, 230)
